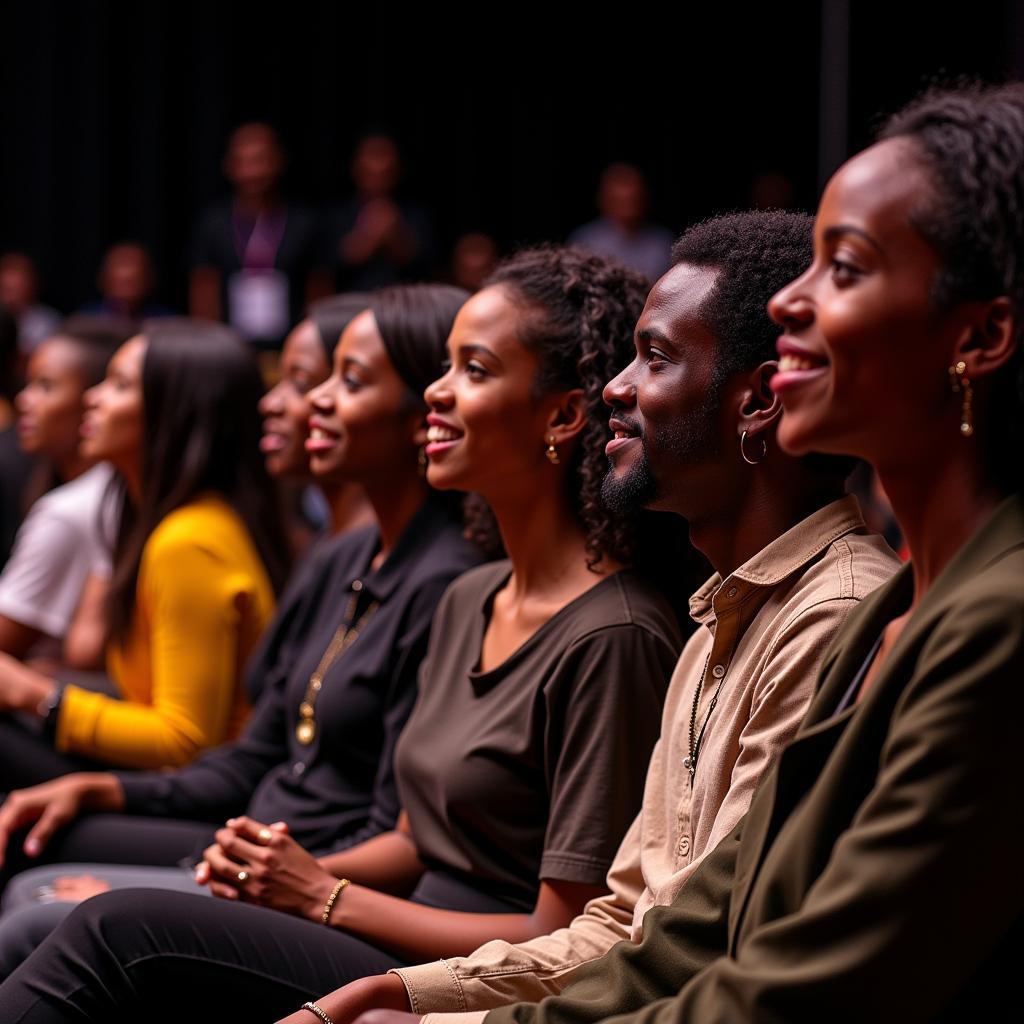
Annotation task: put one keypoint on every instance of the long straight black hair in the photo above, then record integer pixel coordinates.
(201, 432)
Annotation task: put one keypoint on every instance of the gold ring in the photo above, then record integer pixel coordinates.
(265, 835)
(242, 875)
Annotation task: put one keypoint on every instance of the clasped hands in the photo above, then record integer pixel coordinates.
(263, 864)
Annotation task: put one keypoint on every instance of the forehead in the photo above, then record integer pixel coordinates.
(362, 341)
(303, 344)
(876, 191)
(491, 318)
(128, 358)
(675, 304)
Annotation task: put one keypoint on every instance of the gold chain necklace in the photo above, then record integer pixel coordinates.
(344, 637)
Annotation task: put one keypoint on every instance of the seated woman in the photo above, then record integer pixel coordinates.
(524, 760)
(305, 362)
(338, 789)
(68, 530)
(198, 555)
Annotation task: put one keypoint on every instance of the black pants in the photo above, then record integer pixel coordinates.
(143, 954)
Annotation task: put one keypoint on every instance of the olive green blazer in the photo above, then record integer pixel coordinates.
(878, 875)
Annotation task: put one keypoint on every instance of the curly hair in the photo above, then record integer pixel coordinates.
(970, 141)
(577, 314)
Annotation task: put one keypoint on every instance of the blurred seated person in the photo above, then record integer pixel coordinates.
(305, 362)
(254, 253)
(473, 260)
(377, 238)
(19, 294)
(15, 465)
(198, 557)
(622, 231)
(126, 284)
(69, 530)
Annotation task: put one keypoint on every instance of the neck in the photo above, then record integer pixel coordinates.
(768, 503)
(348, 506)
(543, 539)
(939, 502)
(394, 503)
(255, 204)
(72, 466)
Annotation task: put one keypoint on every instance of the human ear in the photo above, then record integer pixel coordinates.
(759, 406)
(567, 416)
(989, 340)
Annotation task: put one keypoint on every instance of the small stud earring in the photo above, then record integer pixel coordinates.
(960, 382)
(552, 451)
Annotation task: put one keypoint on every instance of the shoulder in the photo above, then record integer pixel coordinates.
(207, 525)
(622, 604)
(77, 499)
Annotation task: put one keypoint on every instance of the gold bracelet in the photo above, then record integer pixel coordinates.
(329, 905)
(313, 1008)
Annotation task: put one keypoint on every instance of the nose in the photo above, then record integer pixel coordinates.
(271, 402)
(321, 398)
(438, 395)
(620, 391)
(791, 307)
(21, 400)
(91, 398)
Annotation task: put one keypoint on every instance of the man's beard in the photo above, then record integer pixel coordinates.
(690, 438)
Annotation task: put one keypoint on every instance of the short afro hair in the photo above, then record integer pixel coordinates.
(756, 253)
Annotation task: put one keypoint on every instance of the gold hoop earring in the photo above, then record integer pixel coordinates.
(552, 451)
(743, 450)
(960, 382)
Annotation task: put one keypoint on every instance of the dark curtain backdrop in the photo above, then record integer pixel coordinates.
(113, 115)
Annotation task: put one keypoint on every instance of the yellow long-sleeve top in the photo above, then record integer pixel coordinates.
(202, 600)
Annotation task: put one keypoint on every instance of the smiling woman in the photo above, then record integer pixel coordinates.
(198, 554)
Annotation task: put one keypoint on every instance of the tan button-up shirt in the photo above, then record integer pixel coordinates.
(737, 695)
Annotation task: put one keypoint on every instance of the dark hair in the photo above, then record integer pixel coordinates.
(201, 431)
(970, 141)
(332, 315)
(756, 253)
(578, 312)
(414, 322)
(96, 337)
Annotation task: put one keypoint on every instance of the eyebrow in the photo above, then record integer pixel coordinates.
(352, 361)
(650, 334)
(480, 350)
(831, 234)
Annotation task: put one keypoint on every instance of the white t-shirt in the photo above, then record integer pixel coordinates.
(65, 537)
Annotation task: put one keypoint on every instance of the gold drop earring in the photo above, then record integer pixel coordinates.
(552, 451)
(962, 383)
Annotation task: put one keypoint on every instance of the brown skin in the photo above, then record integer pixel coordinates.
(863, 312)
(49, 411)
(285, 409)
(733, 509)
(489, 393)
(126, 278)
(111, 431)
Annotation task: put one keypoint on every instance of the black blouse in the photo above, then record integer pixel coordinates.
(339, 790)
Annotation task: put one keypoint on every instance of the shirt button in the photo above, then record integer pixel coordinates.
(357, 585)
(718, 671)
(298, 768)
(684, 845)
(732, 592)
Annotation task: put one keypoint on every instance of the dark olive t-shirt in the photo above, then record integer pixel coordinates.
(535, 769)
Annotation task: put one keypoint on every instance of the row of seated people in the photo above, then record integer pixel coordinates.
(829, 796)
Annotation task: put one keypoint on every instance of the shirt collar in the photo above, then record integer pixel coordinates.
(431, 518)
(789, 552)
